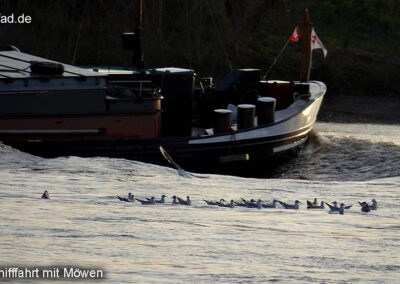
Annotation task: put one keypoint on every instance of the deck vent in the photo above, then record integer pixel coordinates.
(266, 110)
(222, 120)
(246, 114)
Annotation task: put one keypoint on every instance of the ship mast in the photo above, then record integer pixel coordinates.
(305, 48)
(137, 50)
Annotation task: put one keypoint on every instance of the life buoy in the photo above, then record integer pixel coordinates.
(47, 68)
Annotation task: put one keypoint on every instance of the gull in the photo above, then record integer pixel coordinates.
(242, 204)
(254, 204)
(150, 201)
(221, 201)
(161, 201)
(165, 154)
(213, 202)
(186, 202)
(290, 206)
(230, 204)
(334, 207)
(374, 205)
(312, 205)
(339, 209)
(45, 195)
(364, 206)
(271, 205)
(130, 198)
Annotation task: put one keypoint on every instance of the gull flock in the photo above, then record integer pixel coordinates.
(335, 207)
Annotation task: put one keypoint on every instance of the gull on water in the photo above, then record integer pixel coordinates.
(150, 201)
(339, 209)
(364, 206)
(230, 204)
(130, 198)
(45, 195)
(290, 206)
(314, 205)
(334, 207)
(242, 204)
(271, 205)
(374, 205)
(186, 202)
(161, 201)
(209, 202)
(254, 204)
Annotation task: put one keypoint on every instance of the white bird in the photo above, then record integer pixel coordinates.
(290, 206)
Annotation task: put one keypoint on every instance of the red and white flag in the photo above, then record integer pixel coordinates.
(295, 35)
(316, 43)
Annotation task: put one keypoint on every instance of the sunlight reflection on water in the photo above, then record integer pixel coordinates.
(84, 223)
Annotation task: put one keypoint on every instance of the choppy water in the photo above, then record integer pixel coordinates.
(84, 225)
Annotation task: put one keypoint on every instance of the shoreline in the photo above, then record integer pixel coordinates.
(360, 109)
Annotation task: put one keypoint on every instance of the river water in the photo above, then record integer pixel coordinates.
(84, 225)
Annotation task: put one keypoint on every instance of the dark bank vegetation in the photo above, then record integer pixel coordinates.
(362, 36)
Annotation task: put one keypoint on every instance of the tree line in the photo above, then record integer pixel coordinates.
(212, 37)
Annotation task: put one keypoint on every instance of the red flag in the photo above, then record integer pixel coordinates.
(295, 35)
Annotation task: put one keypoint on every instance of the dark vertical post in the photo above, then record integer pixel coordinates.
(137, 51)
(305, 47)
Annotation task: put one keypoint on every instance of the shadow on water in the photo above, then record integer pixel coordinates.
(332, 158)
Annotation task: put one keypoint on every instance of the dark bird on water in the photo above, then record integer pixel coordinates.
(364, 206)
(209, 202)
(271, 205)
(130, 198)
(45, 195)
(290, 206)
(374, 205)
(334, 207)
(230, 204)
(150, 201)
(186, 202)
(340, 209)
(254, 204)
(161, 201)
(242, 204)
(314, 205)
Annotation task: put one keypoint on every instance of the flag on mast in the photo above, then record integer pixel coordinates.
(295, 35)
(316, 43)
